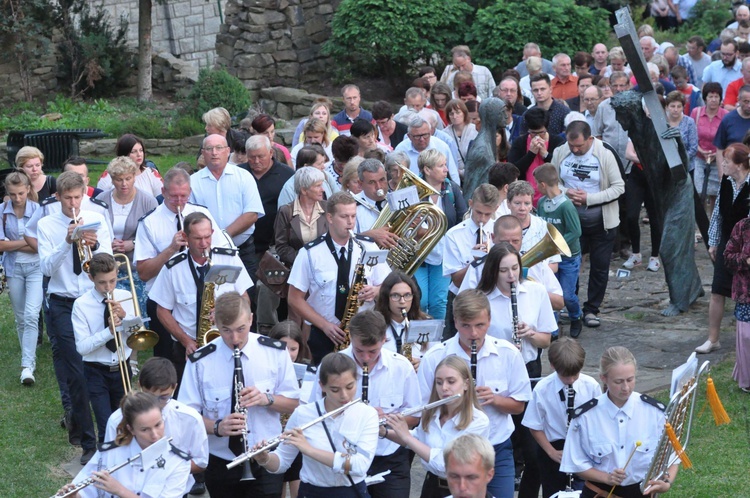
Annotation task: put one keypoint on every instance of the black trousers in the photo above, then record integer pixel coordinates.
(549, 471)
(307, 490)
(105, 392)
(525, 444)
(163, 348)
(319, 344)
(179, 361)
(598, 243)
(224, 483)
(398, 483)
(450, 326)
(636, 193)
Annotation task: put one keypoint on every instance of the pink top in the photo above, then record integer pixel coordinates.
(707, 128)
(288, 156)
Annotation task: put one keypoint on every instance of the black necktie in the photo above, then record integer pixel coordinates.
(342, 252)
(398, 338)
(568, 394)
(236, 444)
(379, 205)
(110, 343)
(342, 278)
(76, 257)
(479, 236)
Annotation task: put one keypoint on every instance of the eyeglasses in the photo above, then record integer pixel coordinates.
(164, 398)
(537, 133)
(423, 136)
(217, 148)
(590, 101)
(398, 297)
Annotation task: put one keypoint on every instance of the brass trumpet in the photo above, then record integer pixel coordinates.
(84, 251)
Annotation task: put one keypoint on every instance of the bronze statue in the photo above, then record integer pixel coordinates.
(483, 151)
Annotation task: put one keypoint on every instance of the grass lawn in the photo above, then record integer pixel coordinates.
(164, 163)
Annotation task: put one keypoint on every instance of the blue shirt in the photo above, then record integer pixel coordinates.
(9, 231)
(718, 72)
(731, 130)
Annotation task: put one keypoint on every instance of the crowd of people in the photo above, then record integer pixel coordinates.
(259, 273)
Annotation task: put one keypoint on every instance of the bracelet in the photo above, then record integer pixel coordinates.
(347, 467)
(216, 428)
(385, 435)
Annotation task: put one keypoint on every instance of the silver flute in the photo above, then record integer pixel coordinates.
(273, 443)
(434, 404)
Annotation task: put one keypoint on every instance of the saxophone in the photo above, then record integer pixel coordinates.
(352, 300)
(206, 331)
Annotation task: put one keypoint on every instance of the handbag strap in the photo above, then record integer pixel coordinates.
(333, 447)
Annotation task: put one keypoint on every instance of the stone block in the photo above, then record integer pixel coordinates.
(306, 55)
(285, 55)
(209, 11)
(180, 9)
(211, 25)
(196, 10)
(301, 111)
(314, 25)
(255, 37)
(284, 44)
(276, 34)
(295, 15)
(257, 19)
(193, 142)
(284, 94)
(178, 29)
(268, 105)
(206, 42)
(273, 16)
(260, 48)
(187, 45)
(253, 60)
(324, 8)
(289, 69)
(283, 111)
(194, 20)
(42, 70)
(320, 37)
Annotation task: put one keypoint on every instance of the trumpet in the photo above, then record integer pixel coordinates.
(84, 251)
(274, 442)
(122, 360)
(434, 404)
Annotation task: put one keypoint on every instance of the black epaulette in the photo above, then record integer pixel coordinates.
(477, 262)
(106, 446)
(580, 410)
(99, 202)
(144, 216)
(49, 200)
(365, 238)
(202, 352)
(226, 251)
(194, 204)
(312, 369)
(182, 454)
(176, 259)
(315, 242)
(271, 343)
(653, 402)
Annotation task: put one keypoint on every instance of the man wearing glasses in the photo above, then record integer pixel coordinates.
(727, 69)
(421, 139)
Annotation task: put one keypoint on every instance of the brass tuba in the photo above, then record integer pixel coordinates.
(415, 241)
(553, 243)
(205, 330)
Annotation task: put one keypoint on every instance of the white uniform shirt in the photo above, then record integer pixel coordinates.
(398, 329)
(232, 195)
(367, 212)
(315, 271)
(156, 230)
(51, 205)
(56, 255)
(499, 367)
(547, 410)
(540, 272)
(91, 333)
(174, 288)
(534, 309)
(183, 424)
(392, 386)
(208, 383)
(458, 243)
(147, 180)
(356, 429)
(533, 234)
(168, 481)
(439, 436)
(603, 437)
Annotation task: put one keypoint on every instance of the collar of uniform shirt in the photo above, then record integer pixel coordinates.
(612, 409)
(496, 292)
(487, 349)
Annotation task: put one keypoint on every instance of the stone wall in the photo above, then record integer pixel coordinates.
(42, 81)
(269, 43)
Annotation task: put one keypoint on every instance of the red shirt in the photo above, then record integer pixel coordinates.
(733, 90)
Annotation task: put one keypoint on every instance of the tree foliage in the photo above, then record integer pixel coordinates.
(708, 18)
(218, 88)
(389, 37)
(500, 31)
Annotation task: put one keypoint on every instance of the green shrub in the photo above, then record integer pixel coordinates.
(389, 37)
(218, 88)
(500, 31)
(187, 126)
(708, 18)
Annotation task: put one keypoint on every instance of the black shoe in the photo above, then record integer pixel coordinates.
(64, 421)
(575, 328)
(198, 488)
(87, 455)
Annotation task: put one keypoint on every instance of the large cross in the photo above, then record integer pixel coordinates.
(625, 31)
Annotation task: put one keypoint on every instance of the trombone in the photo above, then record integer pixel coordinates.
(122, 360)
(141, 338)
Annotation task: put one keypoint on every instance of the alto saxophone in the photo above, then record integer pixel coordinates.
(352, 300)
(206, 331)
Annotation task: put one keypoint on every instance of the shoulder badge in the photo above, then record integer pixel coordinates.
(580, 410)
(99, 202)
(271, 343)
(653, 402)
(365, 238)
(106, 446)
(312, 369)
(182, 454)
(144, 216)
(176, 259)
(315, 242)
(477, 262)
(226, 251)
(202, 352)
(49, 200)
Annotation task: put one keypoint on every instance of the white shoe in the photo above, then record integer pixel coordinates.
(634, 260)
(653, 264)
(27, 377)
(707, 347)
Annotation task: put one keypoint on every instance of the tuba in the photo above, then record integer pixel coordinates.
(553, 243)
(415, 242)
(352, 299)
(206, 331)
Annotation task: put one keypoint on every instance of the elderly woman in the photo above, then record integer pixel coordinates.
(30, 160)
(675, 108)
(434, 170)
(461, 129)
(392, 169)
(321, 109)
(263, 124)
(310, 155)
(147, 178)
(315, 132)
(440, 95)
(707, 121)
(350, 177)
(218, 121)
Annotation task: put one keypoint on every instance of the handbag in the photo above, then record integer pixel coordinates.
(273, 274)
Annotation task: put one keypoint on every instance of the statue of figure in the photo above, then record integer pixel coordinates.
(483, 151)
(674, 199)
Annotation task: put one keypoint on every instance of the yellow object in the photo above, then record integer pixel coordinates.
(720, 414)
(637, 444)
(677, 446)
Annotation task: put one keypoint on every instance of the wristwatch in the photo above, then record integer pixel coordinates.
(216, 428)
(271, 399)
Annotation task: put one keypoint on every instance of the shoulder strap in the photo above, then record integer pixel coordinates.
(333, 447)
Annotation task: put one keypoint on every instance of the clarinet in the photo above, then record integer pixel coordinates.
(474, 360)
(239, 385)
(571, 395)
(365, 383)
(514, 309)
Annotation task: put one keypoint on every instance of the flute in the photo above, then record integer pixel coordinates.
(514, 309)
(473, 363)
(434, 404)
(365, 383)
(274, 442)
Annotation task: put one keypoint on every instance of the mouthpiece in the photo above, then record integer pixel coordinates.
(380, 192)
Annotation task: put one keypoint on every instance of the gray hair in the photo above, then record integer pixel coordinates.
(306, 177)
(464, 449)
(429, 116)
(397, 157)
(651, 40)
(618, 75)
(519, 187)
(617, 53)
(574, 116)
(415, 92)
(370, 165)
(417, 122)
(559, 57)
(258, 142)
(177, 176)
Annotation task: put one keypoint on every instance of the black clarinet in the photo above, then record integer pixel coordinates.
(474, 360)
(365, 383)
(570, 412)
(514, 310)
(239, 385)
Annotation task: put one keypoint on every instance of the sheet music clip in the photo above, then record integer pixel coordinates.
(153, 456)
(130, 325)
(423, 331)
(377, 478)
(223, 274)
(683, 374)
(566, 494)
(373, 258)
(88, 227)
(402, 198)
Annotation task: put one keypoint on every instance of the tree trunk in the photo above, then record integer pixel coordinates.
(144, 50)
